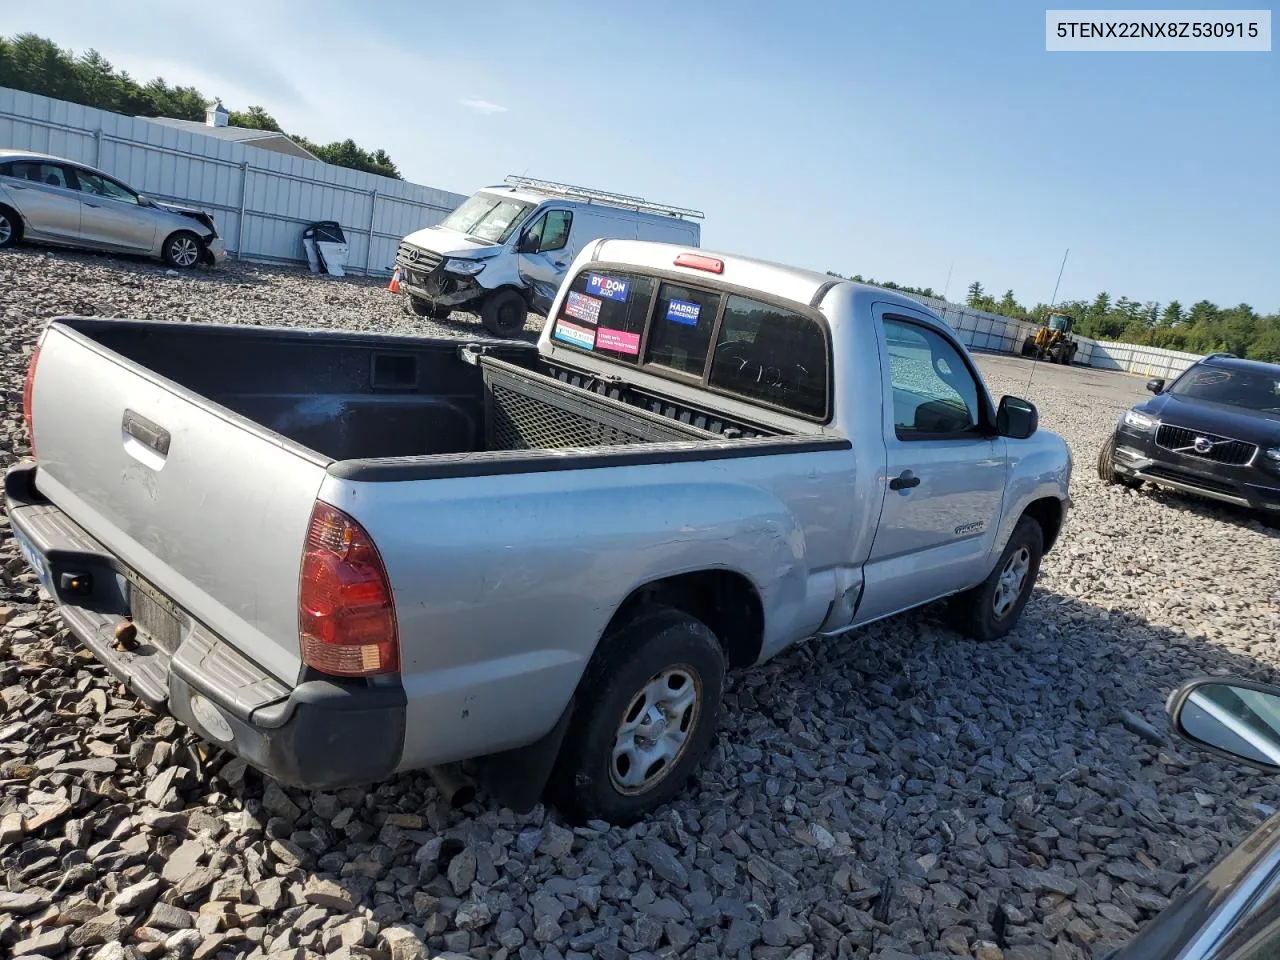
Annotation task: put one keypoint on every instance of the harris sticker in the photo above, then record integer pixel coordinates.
(683, 311)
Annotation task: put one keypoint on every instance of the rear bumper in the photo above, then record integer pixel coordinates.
(317, 734)
(1138, 457)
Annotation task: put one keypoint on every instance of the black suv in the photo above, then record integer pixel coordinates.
(1215, 432)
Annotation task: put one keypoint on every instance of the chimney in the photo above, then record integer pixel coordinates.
(215, 115)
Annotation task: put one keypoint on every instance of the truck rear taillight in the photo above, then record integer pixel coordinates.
(28, 390)
(346, 616)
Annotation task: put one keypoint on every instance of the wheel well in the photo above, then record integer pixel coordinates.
(1047, 512)
(725, 601)
(16, 218)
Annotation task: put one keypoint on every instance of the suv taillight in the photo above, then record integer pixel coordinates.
(28, 390)
(346, 616)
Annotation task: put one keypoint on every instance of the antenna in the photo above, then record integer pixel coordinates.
(1052, 300)
(947, 286)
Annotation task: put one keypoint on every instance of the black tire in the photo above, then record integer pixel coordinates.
(1028, 347)
(976, 613)
(586, 780)
(183, 250)
(504, 313)
(10, 227)
(1107, 466)
(441, 313)
(420, 307)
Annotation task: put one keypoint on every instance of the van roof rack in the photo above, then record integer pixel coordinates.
(569, 191)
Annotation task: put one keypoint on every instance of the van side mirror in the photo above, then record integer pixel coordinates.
(1233, 718)
(1156, 384)
(1017, 418)
(529, 243)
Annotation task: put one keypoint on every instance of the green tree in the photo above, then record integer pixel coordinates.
(1172, 314)
(976, 294)
(32, 63)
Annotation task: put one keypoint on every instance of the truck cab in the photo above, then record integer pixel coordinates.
(505, 250)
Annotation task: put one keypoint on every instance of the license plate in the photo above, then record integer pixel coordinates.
(153, 614)
(33, 558)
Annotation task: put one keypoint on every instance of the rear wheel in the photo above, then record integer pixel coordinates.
(504, 313)
(183, 250)
(1107, 466)
(992, 608)
(10, 227)
(647, 708)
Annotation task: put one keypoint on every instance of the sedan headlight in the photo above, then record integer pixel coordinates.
(1272, 454)
(464, 268)
(1138, 421)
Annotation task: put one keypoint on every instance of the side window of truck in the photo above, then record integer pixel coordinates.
(934, 394)
(773, 355)
(604, 312)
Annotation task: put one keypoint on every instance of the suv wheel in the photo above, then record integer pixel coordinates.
(1107, 466)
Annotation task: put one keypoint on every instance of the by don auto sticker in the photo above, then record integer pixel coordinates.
(610, 287)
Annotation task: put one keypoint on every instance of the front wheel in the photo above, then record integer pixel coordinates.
(648, 706)
(1107, 472)
(992, 608)
(504, 313)
(183, 250)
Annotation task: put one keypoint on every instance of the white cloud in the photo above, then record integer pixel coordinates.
(482, 106)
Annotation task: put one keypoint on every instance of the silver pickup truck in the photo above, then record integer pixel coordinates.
(342, 555)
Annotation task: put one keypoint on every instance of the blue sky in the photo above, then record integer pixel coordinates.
(891, 140)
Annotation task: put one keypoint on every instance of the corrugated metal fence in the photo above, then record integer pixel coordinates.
(261, 200)
(990, 331)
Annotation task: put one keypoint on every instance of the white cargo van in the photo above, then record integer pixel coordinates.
(505, 250)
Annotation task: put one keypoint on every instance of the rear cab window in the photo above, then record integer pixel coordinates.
(728, 342)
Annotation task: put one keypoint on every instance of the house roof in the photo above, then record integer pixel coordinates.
(245, 135)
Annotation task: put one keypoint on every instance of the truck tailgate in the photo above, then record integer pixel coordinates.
(207, 506)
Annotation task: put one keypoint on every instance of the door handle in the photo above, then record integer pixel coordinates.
(87, 204)
(561, 264)
(145, 440)
(904, 481)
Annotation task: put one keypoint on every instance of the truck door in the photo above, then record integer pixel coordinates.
(945, 473)
(543, 267)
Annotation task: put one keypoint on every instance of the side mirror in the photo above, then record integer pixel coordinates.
(1017, 418)
(529, 243)
(1236, 719)
(1156, 384)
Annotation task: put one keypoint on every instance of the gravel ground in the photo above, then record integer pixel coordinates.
(899, 792)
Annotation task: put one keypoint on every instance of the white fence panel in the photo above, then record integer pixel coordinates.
(260, 199)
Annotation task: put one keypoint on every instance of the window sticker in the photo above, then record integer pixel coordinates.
(582, 308)
(619, 341)
(609, 287)
(682, 311)
(578, 336)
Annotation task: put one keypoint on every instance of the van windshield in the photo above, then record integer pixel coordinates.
(486, 217)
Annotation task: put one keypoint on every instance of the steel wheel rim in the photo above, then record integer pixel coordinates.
(184, 251)
(1012, 579)
(655, 730)
(6, 229)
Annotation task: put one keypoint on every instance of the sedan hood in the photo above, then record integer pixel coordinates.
(451, 243)
(1222, 419)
